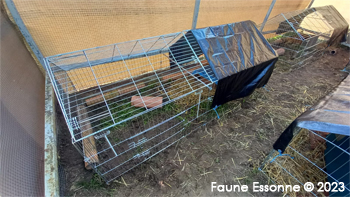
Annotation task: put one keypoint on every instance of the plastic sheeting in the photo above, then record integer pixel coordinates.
(331, 114)
(231, 49)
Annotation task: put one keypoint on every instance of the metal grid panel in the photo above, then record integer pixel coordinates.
(311, 158)
(302, 33)
(126, 146)
(115, 97)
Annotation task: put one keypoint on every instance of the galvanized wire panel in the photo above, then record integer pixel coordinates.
(143, 137)
(303, 33)
(109, 76)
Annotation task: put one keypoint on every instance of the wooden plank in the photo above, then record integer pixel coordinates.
(179, 75)
(89, 144)
(99, 98)
(113, 93)
(148, 100)
(130, 88)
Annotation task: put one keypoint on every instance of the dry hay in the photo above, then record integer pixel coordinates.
(299, 167)
(181, 87)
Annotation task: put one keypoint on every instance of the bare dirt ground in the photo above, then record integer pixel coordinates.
(226, 151)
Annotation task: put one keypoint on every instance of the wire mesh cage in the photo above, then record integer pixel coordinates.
(125, 102)
(304, 33)
(315, 148)
(312, 156)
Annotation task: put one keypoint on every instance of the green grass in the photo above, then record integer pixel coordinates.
(287, 34)
(95, 183)
(274, 38)
(125, 110)
(120, 111)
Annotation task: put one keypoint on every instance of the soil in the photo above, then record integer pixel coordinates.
(228, 150)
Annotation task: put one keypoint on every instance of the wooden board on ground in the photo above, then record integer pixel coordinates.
(89, 144)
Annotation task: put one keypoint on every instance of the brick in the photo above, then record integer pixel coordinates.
(148, 100)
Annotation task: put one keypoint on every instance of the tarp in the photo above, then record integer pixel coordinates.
(331, 115)
(240, 58)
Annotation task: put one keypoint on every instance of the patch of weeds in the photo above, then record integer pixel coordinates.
(251, 176)
(191, 113)
(120, 111)
(274, 38)
(123, 111)
(139, 149)
(248, 180)
(145, 121)
(116, 140)
(95, 183)
(254, 172)
(180, 118)
(169, 107)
